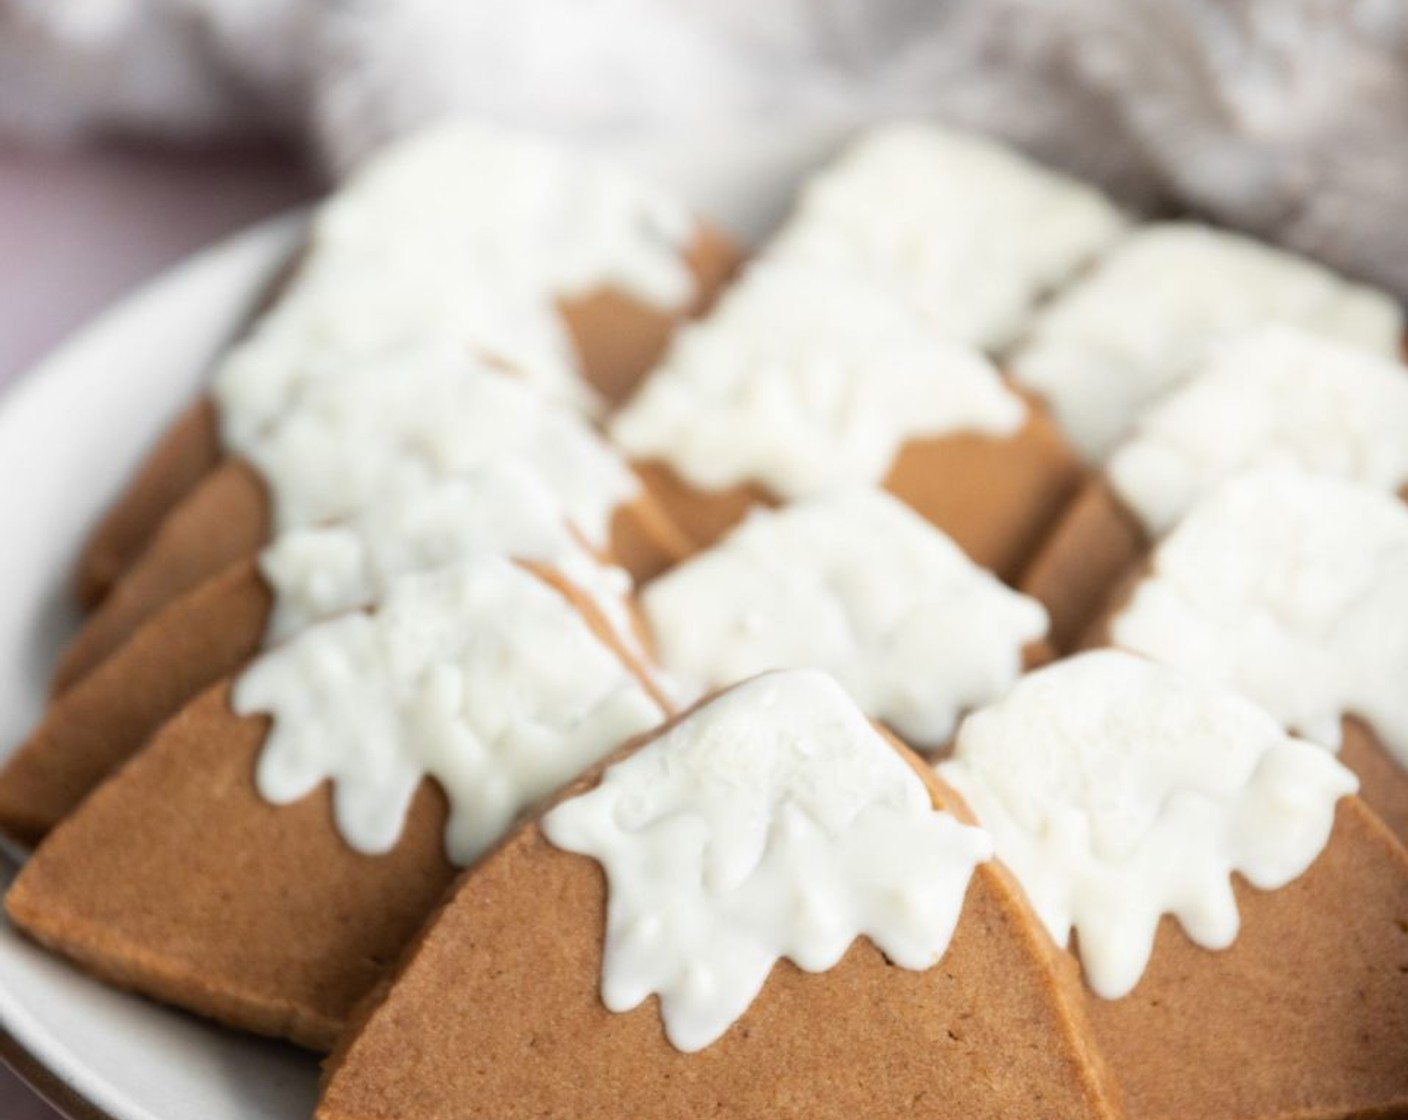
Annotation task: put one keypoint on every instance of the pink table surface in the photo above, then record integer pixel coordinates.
(80, 230)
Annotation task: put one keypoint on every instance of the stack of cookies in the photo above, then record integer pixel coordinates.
(945, 663)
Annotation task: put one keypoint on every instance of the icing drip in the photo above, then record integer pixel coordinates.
(480, 676)
(773, 821)
(857, 585)
(805, 379)
(1292, 589)
(968, 230)
(468, 236)
(1271, 398)
(1117, 791)
(1145, 318)
(391, 425)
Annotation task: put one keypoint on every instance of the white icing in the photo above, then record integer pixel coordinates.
(392, 424)
(1117, 790)
(774, 821)
(1147, 315)
(1273, 397)
(803, 379)
(505, 508)
(1292, 589)
(479, 676)
(468, 236)
(855, 584)
(970, 231)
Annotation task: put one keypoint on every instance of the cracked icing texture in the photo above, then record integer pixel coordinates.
(857, 585)
(968, 230)
(390, 425)
(1293, 589)
(1147, 315)
(1270, 398)
(506, 508)
(469, 236)
(804, 379)
(1117, 790)
(479, 676)
(773, 821)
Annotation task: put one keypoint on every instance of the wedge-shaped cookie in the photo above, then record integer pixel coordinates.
(507, 508)
(272, 850)
(567, 270)
(1143, 318)
(1293, 589)
(805, 379)
(766, 910)
(372, 439)
(857, 584)
(972, 233)
(1241, 919)
(1269, 396)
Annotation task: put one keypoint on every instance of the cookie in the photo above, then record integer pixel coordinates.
(1272, 395)
(857, 584)
(215, 872)
(803, 380)
(1144, 317)
(1280, 584)
(499, 1005)
(1239, 916)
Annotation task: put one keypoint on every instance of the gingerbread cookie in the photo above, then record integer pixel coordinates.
(1267, 396)
(804, 379)
(1288, 587)
(269, 853)
(1125, 796)
(781, 825)
(1144, 317)
(857, 584)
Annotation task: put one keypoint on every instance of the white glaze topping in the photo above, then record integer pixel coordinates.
(480, 676)
(774, 821)
(803, 379)
(469, 236)
(505, 508)
(1292, 589)
(391, 424)
(858, 585)
(969, 230)
(1269, 398)
(1117, 790)
(1104, 349)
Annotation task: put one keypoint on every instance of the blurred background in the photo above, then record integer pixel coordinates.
(133, 132)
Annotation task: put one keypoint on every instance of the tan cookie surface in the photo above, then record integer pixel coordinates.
(1090, 549)
(108, 715)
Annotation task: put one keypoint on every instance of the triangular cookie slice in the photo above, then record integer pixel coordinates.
(772, 821)
(604, 265)
(369, 438)
(1270, 396)
(805, 378)
(1146, 315)
(1291, 589)
(859, 585)
(265, 872)
(1241, 918)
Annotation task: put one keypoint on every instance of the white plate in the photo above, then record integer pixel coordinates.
(70, 432)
